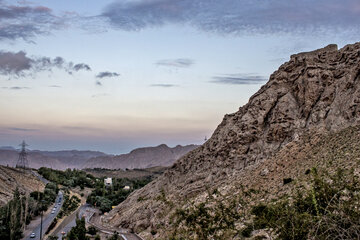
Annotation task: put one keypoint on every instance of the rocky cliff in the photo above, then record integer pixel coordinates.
(146, 157)
(315, 92)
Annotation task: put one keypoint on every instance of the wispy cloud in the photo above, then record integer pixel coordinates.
(107, 74)
(55, 86)
(19, 64)
(180, 62)
(26, 20)
(278, 60)
(239, 79)
(237, 16)
(100, 95)
(18, 88)
(15, 88)
(163, 85)
(22, 129)
(80, 128)
(98, 83)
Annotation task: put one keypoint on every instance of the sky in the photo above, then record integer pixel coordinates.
(114, 75)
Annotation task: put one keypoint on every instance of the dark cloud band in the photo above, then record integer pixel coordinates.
(163, 85)
(180, 62)
(237, 16)
(107, 74)
(239, 79)
(22, 129)
(27, 21)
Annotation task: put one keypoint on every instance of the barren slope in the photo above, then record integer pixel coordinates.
(12, 178)
(313, 92)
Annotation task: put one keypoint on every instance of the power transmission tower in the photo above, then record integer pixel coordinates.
(22, 161)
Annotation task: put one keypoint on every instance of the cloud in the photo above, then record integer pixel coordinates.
(100, 95)
(163, 85)
(80, 128)
(81, 66)
(16, 88)
(26, 20)
(14, 63)
(107, 74)
(237, 16)
(55, 86)
(19, 64)
(180, 62)
(239, 79)
(22, 129)
(98, 83)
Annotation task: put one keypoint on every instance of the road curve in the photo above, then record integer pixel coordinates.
(81, 213)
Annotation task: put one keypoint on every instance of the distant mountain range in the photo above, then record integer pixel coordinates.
(146, 157)
(161, 155)
(57, 159)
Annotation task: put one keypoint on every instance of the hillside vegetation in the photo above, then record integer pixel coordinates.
(136, 173)
(309, 190)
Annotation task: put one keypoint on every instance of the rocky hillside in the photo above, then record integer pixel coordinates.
(313, 93)
(146, 157)
(53, 159)
(12, 178)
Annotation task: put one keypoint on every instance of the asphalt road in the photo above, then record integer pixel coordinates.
(47, 219)
(84, 211)
(45, 181)
(87, 211)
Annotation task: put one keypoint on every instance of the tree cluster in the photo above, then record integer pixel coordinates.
(105, 197)
(68, 178)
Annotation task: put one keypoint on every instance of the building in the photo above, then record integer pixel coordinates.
(108, 182)
(127, 188)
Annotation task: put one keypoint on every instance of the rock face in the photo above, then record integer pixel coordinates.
(146, 157)
(314, 91)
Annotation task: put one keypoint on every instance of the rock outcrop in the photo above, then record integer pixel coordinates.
(317, 91)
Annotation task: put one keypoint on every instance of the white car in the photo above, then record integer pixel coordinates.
(53, 211)
(32, 235)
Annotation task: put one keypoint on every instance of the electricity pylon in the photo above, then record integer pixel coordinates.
(22, 161)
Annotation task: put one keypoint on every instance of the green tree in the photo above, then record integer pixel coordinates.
(92, 230)
(79, 231)
(15, 217)
(115, 236)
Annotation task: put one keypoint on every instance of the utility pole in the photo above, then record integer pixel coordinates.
(41, 225)
(41, 217)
